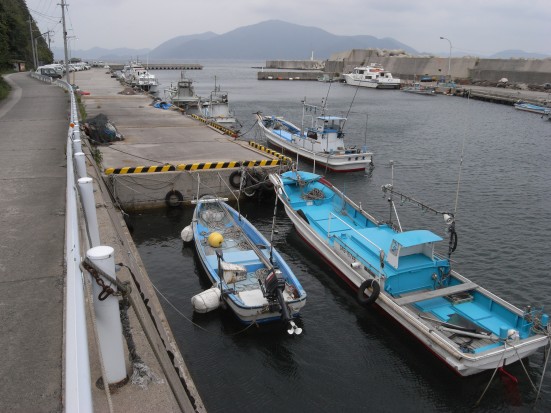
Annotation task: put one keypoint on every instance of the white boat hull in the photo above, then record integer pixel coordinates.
(372, 83)
(462, 363)
(260, 314)
(334, 162)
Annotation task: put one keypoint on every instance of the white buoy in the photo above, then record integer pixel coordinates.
(206, 301)
(187, 234)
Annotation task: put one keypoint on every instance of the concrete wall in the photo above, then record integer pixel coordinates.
(405, 67)
(295, 64)
(148, 190)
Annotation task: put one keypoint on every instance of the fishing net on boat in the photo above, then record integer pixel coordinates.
(315, 193)
(215, 219)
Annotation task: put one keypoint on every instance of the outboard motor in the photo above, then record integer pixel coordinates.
(273, 290)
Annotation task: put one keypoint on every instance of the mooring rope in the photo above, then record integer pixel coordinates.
(544, 368)
(197, 325)
(493, 375)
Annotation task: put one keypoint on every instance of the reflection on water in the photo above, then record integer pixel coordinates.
(350, 358)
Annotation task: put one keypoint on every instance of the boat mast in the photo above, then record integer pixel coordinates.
(449, 217)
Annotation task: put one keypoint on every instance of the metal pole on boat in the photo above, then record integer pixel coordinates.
(273, 228)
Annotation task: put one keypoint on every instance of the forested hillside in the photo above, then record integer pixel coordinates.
(15, 36)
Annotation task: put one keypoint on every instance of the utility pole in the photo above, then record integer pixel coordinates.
(65, 41)
(32, 40)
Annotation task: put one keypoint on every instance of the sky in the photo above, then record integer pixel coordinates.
(480, 27)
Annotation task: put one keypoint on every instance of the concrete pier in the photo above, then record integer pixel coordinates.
(287, 75)
(34, 125)
(177, 146)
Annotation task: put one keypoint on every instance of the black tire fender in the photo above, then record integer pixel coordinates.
(235, 179)
(366, 299)
(174, 199)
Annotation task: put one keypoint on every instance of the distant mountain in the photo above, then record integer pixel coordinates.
(511, 54)
(98, 53)
(272, 39)
(178, 42)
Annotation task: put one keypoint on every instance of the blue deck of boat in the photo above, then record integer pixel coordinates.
(414, 276)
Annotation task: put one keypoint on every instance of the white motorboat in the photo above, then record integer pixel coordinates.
(322, 143)
(183, 95)
(217, 108)
(136, 75)
(373, 76)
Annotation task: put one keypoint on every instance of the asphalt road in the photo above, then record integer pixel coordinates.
(33, 124)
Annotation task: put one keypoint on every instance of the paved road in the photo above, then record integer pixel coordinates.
(33, 129)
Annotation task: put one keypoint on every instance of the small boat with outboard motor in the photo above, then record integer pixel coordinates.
(530, 107)
(321, 143)
(419, 89)
(247, 274)
(466, 326)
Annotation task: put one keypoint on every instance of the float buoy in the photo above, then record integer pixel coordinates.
(187, 234)
(366, 299)
(215, 240)
(207, 300)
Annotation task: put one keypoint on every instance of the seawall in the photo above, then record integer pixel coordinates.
(530, 71)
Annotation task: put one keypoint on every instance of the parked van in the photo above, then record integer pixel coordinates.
(48, 71)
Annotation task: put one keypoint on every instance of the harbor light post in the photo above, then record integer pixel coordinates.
(449, 58)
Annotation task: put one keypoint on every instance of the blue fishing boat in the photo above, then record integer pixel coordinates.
(529, 107)
(248, 275)
(419, 89)
(467, 327)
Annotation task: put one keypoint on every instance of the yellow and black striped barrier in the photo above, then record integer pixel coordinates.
(215, 125)
(271, 152)
(192, 166)
(139, 169)
(226, 165)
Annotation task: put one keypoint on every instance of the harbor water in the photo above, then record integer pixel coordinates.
(488, 163)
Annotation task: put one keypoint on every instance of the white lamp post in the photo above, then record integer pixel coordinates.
(449, 58)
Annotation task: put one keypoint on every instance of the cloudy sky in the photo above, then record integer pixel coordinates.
(473, 26)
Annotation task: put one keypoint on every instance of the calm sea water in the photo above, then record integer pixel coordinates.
(350, 358)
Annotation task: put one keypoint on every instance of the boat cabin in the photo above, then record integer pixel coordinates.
(410, 243)
(328, 130)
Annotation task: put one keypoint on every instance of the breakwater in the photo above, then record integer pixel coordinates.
(164, 66)
(289, 75)
(529, 71)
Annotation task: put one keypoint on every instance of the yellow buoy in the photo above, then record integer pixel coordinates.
(215, 239)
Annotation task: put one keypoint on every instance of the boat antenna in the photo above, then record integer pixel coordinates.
(365, 133)
(461, 161)
(350, 107)
(449, 217)
(324, 102)
(273, 228)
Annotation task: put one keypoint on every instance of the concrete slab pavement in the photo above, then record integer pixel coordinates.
(33, 127)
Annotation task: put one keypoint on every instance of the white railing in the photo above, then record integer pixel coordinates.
(78, 388)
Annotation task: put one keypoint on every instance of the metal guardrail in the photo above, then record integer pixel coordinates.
(78, 387)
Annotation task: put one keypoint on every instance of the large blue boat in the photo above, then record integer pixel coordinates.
(246, 272)
(467, 327)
